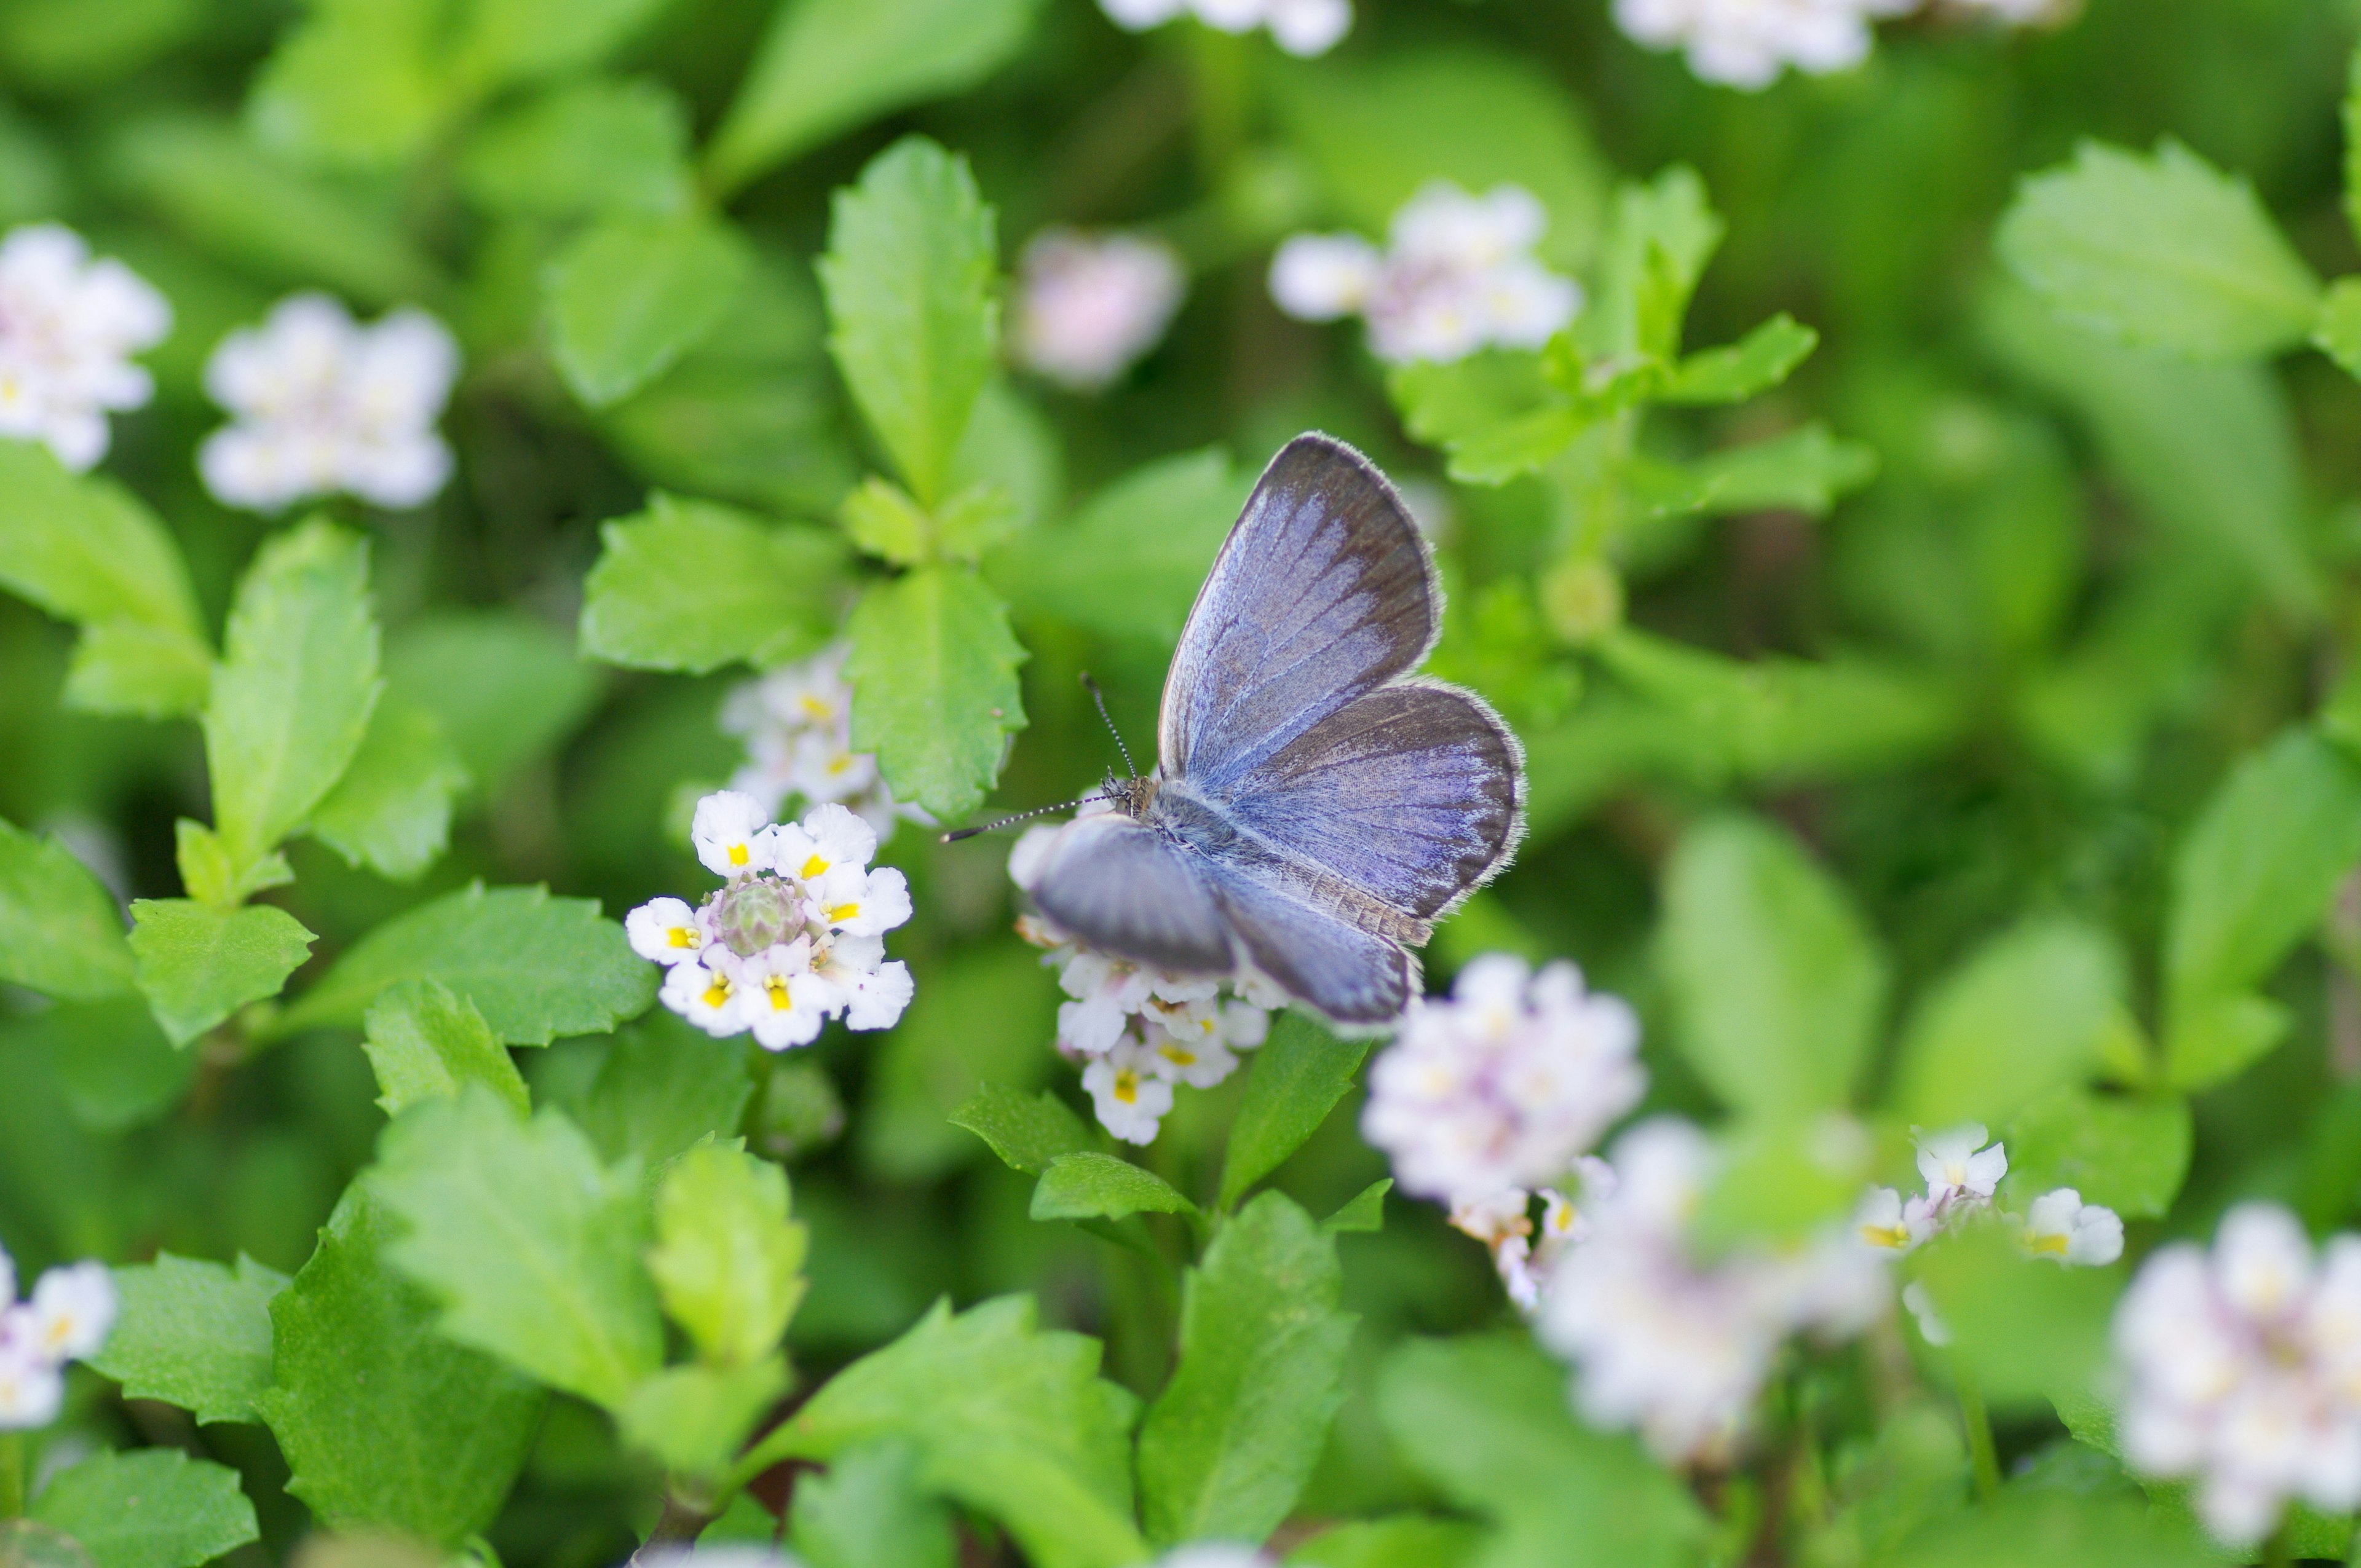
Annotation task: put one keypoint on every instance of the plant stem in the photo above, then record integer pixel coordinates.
(2280, 1551)
(11, 1474)
(680, 1524)
(1981, 1450)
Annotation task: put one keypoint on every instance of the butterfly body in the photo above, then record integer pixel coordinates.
(1316, 807)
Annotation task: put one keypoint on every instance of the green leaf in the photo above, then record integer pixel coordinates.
(2026, 1014)
(694, 1420)
(507, 687)
(1781, 1181)
(1009, 1420)
(532, 1247)
(1777, 986)
(2130, 1153)
(59, 932)
(869, 1509)
(630, 296)
(935, 694)
(693, 585)
(881, 520)
(391, 809)
(134, 668)
(1806, 469)
(1659, 239)
(665, 1086)
(1130, 562)
(385, 1423)
(1226, 1448)
(155, 1507)
(1297, 1078)
(535, 967)
(516, 41)
(2024, 1327)
(1756, 362)
(727, 1261)
(1026, 1131)
(193, 1335)
(1487, 1422)
(1402, 1541)
(291, 699)
(197, 964)
(825, 66)
(2034, 1525)
(1090, 1186)
(2337, 333)
(1363, 1211)
(912, 319)
(110, 1060)
(213, 877)
(584, 149)
(2163, 252)
(357, 86)
(2215, 1039)
(425, 1043)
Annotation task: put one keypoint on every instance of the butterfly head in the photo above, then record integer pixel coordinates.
(1132, 795)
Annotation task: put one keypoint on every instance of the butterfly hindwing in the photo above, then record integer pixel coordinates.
(1126, 888)
(1352, 975)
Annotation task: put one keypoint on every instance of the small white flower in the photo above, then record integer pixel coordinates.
(32, 1386)
(1957, 1168)
(72, 1310)
(322, 404)
(1199, 1060)
(731, 833)
(1212, 1554)
(859, 903)
(2014, 13)
(2061, 1226)
(797, 722)
(1324, 277)
(829, 838)
(1308, 28)
(781, 999)
(1305, 28)
(1106, 992)
(1748, 43)
(876, 996)
(1888, 1224)
(666, 931)
(706, 993)
(1086, 308)
(1138, 16)
(69, 326)
(1129, 1097)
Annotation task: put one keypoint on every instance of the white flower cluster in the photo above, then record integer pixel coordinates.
(1087, 306)
(797, 935)
(1300, 26)
(1139, 1031)
(67, 1318)
(1673, 1344)
(1458, 274)
(797, 722)
(1748, 43)
(2242, 1370)
(322, 404)
(69, 326)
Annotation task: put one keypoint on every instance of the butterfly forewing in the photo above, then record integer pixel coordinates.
(1129, 889)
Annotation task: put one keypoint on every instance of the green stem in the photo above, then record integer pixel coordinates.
(2280, 1550)
(1981, 1451)
(11, 1474)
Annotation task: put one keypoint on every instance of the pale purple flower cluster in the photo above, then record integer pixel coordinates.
(1087, 306)
(67, 1318)
(69, 326)
(797, 722)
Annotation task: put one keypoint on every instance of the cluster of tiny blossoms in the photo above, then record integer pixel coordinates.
(1087, 306)
(2242, 1369)
(795, 937)
(69, 326)
(67, 1318)
(322, 404)
(1304, 28)
(1748, 43)
(1457, 275)
(1141, 1032)
(797, 722)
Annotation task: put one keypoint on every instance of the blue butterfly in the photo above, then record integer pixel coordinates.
(1316, 807)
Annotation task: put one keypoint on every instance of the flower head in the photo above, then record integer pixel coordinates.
(2061, 1227)
(797, 722)
(1748, 43)
(1130, 1096)
(731, 833)
(666, 931)
(321, 404)
(1086, 308)
(1959, 1171)
(68, 1318)
(1300, 26)
(1889, 1224)
(69, 326)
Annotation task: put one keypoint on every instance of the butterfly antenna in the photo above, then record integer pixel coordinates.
(1022, 815)
(1099, 697)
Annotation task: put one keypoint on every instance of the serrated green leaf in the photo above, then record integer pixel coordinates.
(629, 296)
(728, 1263)
(1226, 1448)
(532, 1246)
(387, 1424)
(1807, 469)
(1009, 1420)
(2030, 1525)
(86, 549)
(1094, 1186)
(2164, 251)
(692, 585)
(1756, 362)
(197, 963)
(391, 809)
(1494, 411)
(1777, 985)
(297, 683)
(2337, 333)
(694, 1420)
(155, 1507)
(912, 319)
(2024, 1014)
(869, 1509)
(1298, 1076)
(59, 932)
(2128, 1152)
(425, 1043)
(1489, 1422)
(1026, 1131)
(135, 668)
(584, 149)
(1363, 1211)
(535, 967)
(935, 695)
(1130, 562)
(1403, 1541)
(194, 1335)
(664, 1086)
(881, 520)
(825, 66)
(508, 687)
(1659, 237)
(213, 877)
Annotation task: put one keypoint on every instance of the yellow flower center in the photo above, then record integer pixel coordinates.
(684, 936)
(1179, 1055)
(1126, 1086)
(841, 763)
(719, 991)
(840, 913)
(1893, 1236)
(818, 709)
(815, 866)
(738, 854)
(2049, 1244)
(777, 986)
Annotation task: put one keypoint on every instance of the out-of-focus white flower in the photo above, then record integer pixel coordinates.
(2061, 1227)
(776, 952)
(1889, 1224)
(1088, 306)
(2242, 1370)
(1747, 43)
(68, 1318)
(2014, 13)
(1675, 1345)
(1960, 1172)
(69, 326)
(1304, 28)
(1458, 275)
(1931, 1327)
(1526, 1254)
(797, 722)
(1502, 1086)
(321, 404)
(1125, 1089)
(1212, 1554)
